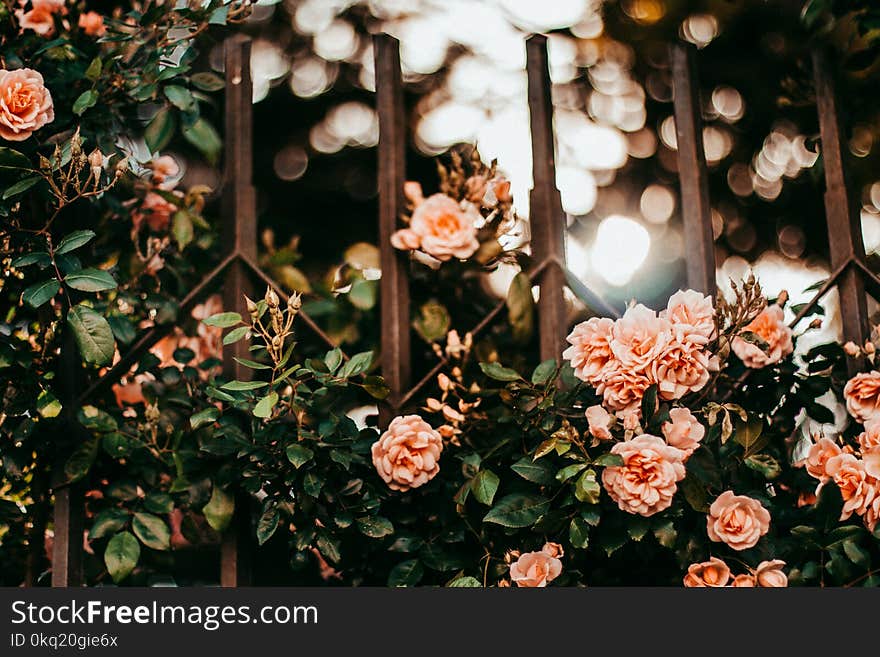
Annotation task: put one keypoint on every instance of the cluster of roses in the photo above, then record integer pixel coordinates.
(40, 18)
(715, 573)
(621, 359)
(443, 227)
(856, 472)
(156, 210)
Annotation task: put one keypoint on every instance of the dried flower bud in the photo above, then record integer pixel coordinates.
(121, 167)
(851, 349)
(816, 323)
(869, 347)
(294, 302)
(782, 298)
(96, 159)
(277, 342)
(451, 414)
(444, 382)
(504, 584)
(251, 306)
(446, 431)
(271, 298)
(152, 413)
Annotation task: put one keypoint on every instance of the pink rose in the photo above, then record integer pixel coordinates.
(744, 581)
(869, 439)
(25, 104)
(630, 419)
(683, 430)
(92, 23)
(817, 458)
(535, 569)
(872, 514)
(444, 228)
(769, 574)
(646, 482)
(639, 337)
(590, 349)
(713, 573)
(681, 367)
(862, 394)
(770, 327)
(39, 19)
(856, 486)
(599, 421)
(166, 172)
(623, 389)
(692, 315)
(406, 456)
(155, 210)
(737, 520)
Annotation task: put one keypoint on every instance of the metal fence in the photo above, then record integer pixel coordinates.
(239, 273)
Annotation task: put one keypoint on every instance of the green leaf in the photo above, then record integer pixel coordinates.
(499, 373)
(264, 407)
(159, 502)
(108, 521)
(12, 159)
(465, 582)
(375, 526)
(357, 364)
(223, 320)
(219, 509)
(160, 130)
(48, 405)
(520, 308)
(363, 294)
(180, 97)
(121, 555)
(254, 365)
(333, 359)
(587, 489)
(21, 186)
(204, 416)
(749, 434)
(39, 293)
(182, 228)
(93, 72)
(544, 372)
(518, 510)
(240, 386)
(80, 461)
(36, 258)
(376, 387)
(569, 471)
(765, 464)
(74, 240)
(538, 472)
(152, 531)
(90, 280)
(93, 335)
(406, 573)
(579, 533)
(267, 524)
(298, 455)
(236, 334)
(207, 81)
(606, 460)
(829, 506)
(204, 137)
(649, 403)
(484, 486)
(665, 534)
(219, 15)
(85, 100)
(328, 547)
(433, 322)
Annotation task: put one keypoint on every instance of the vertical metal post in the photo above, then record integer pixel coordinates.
(394, 289)
(844, 225)
(240, 236)
(69, 511)
(546, 215)
(693, 175)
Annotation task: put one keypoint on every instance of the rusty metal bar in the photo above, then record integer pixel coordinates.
(844, 225)
(546, 214)
(696, 210)
(68, 514)
(240, 235)
(394, 288)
